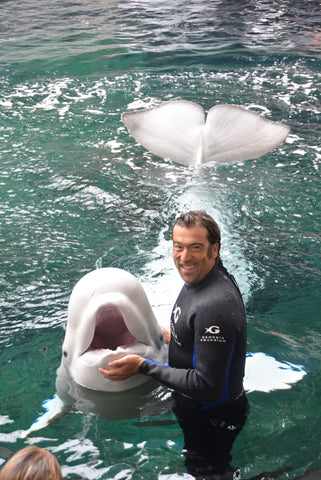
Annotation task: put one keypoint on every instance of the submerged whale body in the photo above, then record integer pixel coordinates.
(263, 373)
(143, 401)
(109, 316)
(180, 131)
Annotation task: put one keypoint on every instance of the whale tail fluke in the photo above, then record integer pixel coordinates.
(180, 131)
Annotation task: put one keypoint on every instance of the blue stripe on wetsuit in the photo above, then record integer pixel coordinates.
(225, 395)
(156, 363)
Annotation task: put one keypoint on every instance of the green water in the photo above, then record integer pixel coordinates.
(77, 193)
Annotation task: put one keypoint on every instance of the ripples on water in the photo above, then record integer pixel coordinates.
(78, 193)
(123, 28)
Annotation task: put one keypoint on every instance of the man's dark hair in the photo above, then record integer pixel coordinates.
(200, 218)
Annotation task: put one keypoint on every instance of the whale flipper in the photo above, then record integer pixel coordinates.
(264, 373)
(180, 131)
(55, 409)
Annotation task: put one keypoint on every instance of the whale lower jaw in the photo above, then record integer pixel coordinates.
(84, 369)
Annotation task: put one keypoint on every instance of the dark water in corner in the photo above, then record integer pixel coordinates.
(77, 193)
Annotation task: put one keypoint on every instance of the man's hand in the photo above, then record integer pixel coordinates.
(122, 368)
(166, 335)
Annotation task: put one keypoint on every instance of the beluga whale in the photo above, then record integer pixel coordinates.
(109, 316)
(180, 131)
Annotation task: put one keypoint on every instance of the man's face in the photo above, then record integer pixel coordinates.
(193, 255)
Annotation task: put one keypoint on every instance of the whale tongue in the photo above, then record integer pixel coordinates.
(110, 330)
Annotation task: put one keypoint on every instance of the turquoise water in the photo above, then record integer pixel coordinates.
(78, 193)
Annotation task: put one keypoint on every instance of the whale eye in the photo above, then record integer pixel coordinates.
(65, 354)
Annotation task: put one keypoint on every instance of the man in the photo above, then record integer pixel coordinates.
(207, 349)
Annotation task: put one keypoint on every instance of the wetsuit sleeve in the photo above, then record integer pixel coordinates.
(215, 333)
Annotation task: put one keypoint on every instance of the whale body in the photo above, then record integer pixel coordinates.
(109, 316)
(263, 373)
(181, 131)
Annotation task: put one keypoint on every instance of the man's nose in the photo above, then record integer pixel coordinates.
(186, 254)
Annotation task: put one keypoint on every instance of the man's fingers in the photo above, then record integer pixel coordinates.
(110, 374)
(117, 363)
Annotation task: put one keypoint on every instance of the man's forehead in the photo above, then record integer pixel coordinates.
(191, 235)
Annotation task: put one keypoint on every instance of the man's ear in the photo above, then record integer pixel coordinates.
(214, 250)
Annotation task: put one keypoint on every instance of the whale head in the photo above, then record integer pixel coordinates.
(109, 316)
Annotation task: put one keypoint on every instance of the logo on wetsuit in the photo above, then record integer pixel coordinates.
(176, 314)
(211, 334)
(213, 329)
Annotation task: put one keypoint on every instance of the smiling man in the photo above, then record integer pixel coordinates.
(194, 255)
(207, 349)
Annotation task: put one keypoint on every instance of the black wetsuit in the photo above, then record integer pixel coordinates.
(207, 354)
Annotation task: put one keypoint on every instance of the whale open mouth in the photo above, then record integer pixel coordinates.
(111, 331)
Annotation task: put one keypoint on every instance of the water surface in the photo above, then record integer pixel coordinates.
(78, 193)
